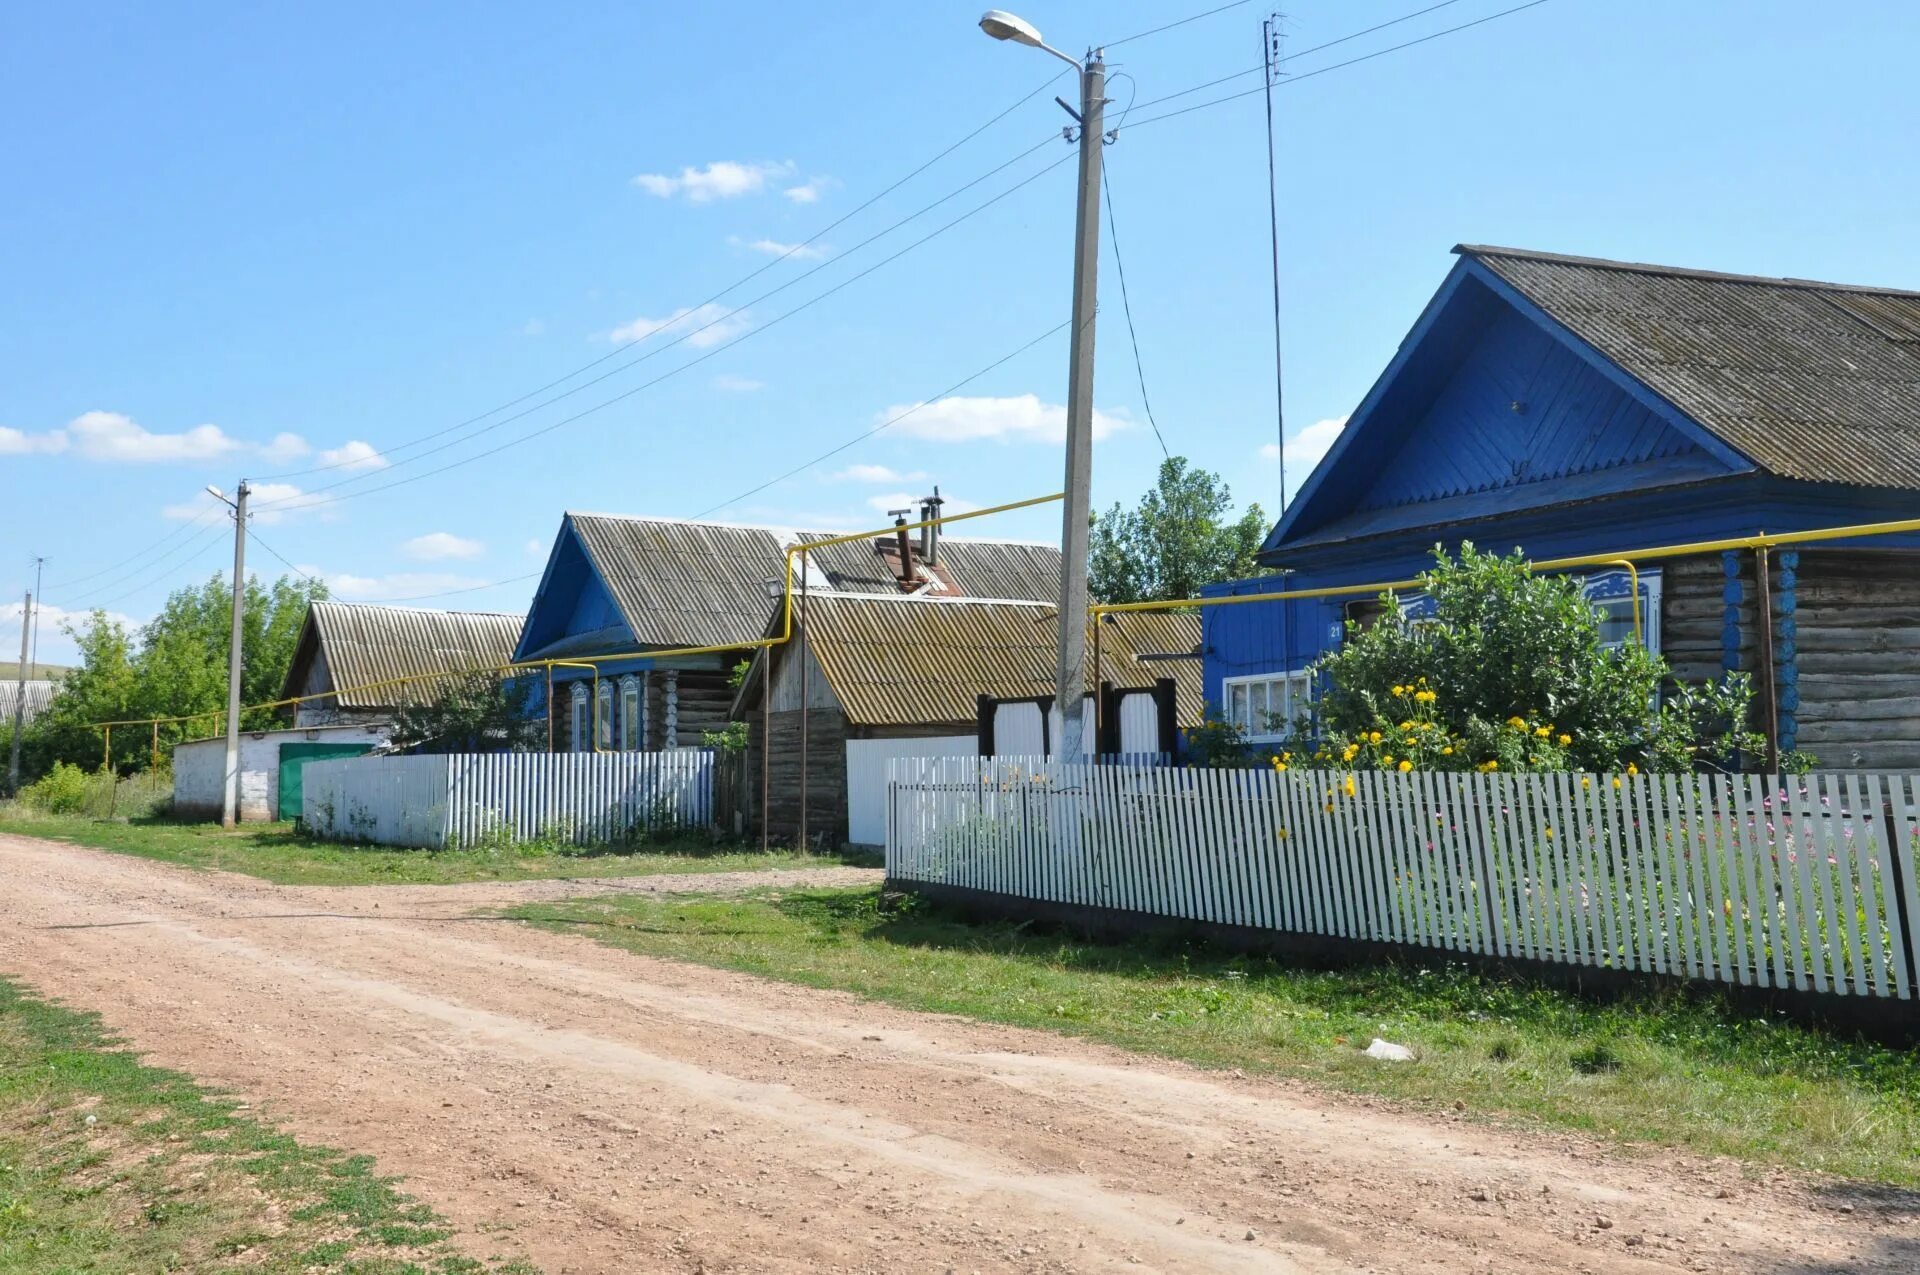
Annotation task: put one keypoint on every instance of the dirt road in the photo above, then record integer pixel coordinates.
(624, 1114)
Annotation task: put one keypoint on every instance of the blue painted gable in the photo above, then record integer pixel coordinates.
(572, 602)
(1490, 407)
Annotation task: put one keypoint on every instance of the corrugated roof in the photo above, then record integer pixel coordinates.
(683, 583)
(906, 661)
(1814, 381)
(39, 695)
(366, 643)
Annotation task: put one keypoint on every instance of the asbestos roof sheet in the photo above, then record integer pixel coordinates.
(39, 694)
(366, 644)
(683, 583)
(1812, 381)
(909, 661)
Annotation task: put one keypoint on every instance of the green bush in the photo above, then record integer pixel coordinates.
(61, 791)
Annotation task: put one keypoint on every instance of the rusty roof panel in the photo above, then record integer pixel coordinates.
(914, 661)
(1814, 381)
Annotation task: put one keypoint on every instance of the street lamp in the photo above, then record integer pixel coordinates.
(230, 791)
(1071, 674)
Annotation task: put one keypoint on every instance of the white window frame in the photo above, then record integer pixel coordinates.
(603, 720)
(1248, 701)
(1603, 589)
(632, 739)
(577, 717)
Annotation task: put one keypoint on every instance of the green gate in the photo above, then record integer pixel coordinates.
(294, 758)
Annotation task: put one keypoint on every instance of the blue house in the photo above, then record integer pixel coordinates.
(1568, 406)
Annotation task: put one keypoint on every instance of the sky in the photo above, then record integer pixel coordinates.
(335, 250)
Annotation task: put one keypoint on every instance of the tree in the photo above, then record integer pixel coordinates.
(1510, 674)
(174, 666)
(472, 713)
(1179, 539)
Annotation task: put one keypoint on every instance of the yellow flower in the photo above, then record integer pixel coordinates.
(1543, 731)
(1373, 737)
(1447, 751)
(1350, 786)
(1405, 766)
(1565, 740)
(1401, 690)
(1283, 834)
(1286, 756)
(1632, 769)
(1549, 834)
(1517, 722)
(1491, 765)
(1585, 782)
(1329, 807)
(1387, 758)
(1279, 768)
(1616, 782)
(1425, 697)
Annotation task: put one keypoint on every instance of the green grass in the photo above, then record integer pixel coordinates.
(110, 1165)
(280, 853)
(1657, 1068)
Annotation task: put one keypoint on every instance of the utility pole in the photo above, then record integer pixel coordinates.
(230, 802)
(39, 565)
(1270, 37)
(20, 700)
(1070, 680)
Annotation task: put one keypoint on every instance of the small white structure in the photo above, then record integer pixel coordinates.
(199, 767)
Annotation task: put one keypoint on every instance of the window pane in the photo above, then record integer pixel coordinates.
(1237, 706)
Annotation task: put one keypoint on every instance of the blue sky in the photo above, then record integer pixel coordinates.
(250, 240)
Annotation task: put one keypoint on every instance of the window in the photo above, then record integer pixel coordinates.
(632, 724)
(577, 717)
(603, 723)
(1612, 598)
(1264, 707)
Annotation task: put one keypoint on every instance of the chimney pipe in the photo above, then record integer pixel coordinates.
(930, 534)
(907, 580)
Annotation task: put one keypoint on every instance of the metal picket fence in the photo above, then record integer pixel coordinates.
(462, 799)
(1806, 883)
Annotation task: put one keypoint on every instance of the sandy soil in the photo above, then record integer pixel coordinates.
(597, 1111)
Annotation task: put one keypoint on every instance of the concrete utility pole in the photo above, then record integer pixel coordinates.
(230, 801)
(1070, 680)
(39, 565)
(20, 703)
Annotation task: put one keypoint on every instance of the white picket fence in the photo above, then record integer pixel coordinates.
(1805, 883)
(459, 799)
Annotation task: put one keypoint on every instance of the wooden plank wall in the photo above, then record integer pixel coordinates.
(826, 775)
(1693, 616)
(1858, 650)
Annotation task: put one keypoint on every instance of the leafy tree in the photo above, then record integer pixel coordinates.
(472, 712)
(174, 666)
(1510, 674)
(1181, 537)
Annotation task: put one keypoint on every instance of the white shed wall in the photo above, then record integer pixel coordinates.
(199, 769)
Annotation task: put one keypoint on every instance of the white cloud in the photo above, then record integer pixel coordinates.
(532, 327)
(1014, 418)
(285, 447)
(875, 474)
(14, 442)
(774, 248)
(111, 436)
(1305, 448)
(537, 548)
(722, 179)
(808, 191)
(737, 384)
(703, 326)
(387, 588)
(438, 545)
(354, 454)
(55, 647)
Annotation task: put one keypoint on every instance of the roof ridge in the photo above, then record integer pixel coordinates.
(1683, 272)
(395, 606)
(851, 595)
(786, 530)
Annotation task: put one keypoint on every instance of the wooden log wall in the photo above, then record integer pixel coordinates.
(1857, 650)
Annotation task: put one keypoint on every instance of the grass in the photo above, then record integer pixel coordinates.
(107, 1164)
(1655, 1068)
(281, 853)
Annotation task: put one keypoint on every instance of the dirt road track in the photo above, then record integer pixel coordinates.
(625, 1114)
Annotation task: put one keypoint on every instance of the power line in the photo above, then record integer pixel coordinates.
(299, 503)
(1365, 57)
(855, 441)
(255, 537)
(682, 338)
(120, 577)
(1351, 35)
(448, 593)
(202, 543)
(1126, 308)
(155, 547)
(1141, 35)
(804, 244)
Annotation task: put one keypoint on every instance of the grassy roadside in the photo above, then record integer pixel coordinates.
(110, 1165)
(1654, 1069)
(280, 853)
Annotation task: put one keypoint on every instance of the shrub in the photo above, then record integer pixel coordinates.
(1511, 675)
(61, 791)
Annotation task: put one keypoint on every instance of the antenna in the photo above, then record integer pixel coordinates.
(1270, 43)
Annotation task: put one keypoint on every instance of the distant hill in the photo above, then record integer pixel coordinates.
(10, 671)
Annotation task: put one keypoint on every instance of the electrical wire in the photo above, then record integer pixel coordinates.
(684, 337)
(1126, 308)
(751, 275)
(210, 516)
(101, 604)
(448, 593)
(298, 503)
(1322, 70)
(887, 424)
(1141, 35)
(254, 536)
(128, 561)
